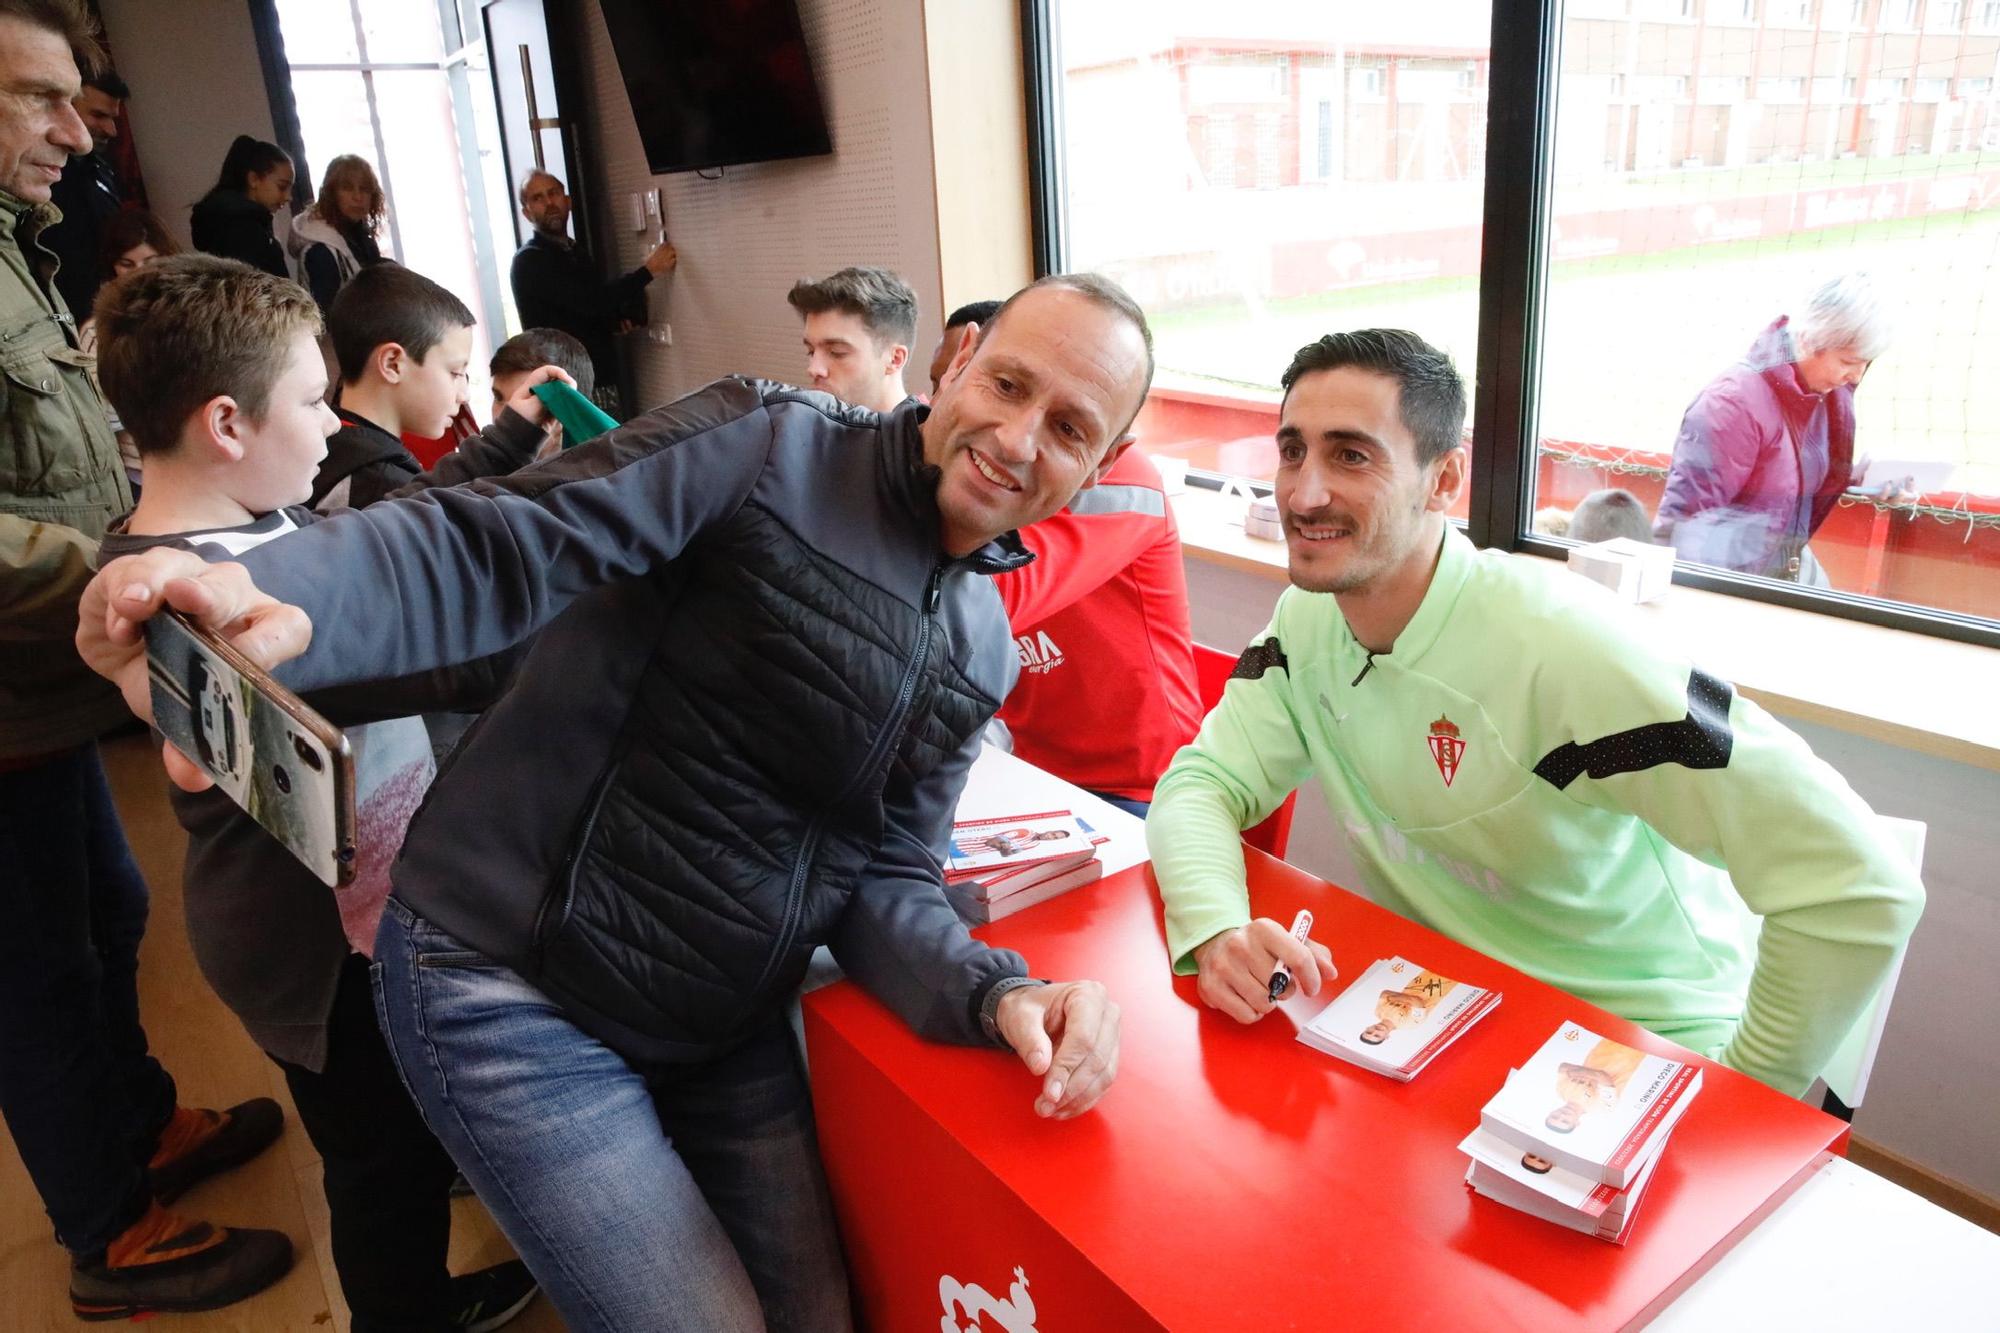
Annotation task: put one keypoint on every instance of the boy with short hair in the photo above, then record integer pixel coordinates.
(231, 440)
(531, 349)
(402, 345)
(860, 323)
(526, 352)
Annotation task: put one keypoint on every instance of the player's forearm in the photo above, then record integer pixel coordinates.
(1194, 832)
(1817, 969)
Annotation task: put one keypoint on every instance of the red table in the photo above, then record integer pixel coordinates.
(1236, 1179)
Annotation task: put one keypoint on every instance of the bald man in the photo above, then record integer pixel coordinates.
(558, 284)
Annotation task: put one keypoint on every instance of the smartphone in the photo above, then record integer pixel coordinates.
(287, 766)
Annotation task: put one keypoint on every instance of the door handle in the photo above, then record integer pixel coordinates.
(536, 121)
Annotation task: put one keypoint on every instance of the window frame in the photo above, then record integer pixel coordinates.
(367, 69)
(1513, 279)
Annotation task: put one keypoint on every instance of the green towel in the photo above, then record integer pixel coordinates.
(582, 420)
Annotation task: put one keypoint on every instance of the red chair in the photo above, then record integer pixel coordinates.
(1211, 673)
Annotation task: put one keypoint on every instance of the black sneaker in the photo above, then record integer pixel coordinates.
(166, 1263)
(209, 1142)
(492, 1296)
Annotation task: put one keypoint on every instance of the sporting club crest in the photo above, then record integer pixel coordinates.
(1015, 1314)
(1446, 748)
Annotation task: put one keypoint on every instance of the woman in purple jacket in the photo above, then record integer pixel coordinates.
(1768, 446)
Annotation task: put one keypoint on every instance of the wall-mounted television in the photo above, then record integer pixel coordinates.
(714, 83)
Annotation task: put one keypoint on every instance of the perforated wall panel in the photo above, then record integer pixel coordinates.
(744, 239)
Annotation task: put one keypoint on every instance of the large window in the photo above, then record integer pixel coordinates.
(404, 84)
(1765, 313)
(1718, 257)
(1258, 175)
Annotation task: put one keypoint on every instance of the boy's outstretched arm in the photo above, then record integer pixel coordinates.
(452, 575)
(510, 443)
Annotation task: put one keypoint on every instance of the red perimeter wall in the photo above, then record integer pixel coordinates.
(1898, 554)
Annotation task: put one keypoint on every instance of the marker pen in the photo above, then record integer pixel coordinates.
(1281, 979)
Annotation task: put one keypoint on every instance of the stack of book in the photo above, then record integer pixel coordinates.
(1002, 864)
(1397, 1018)
(1574, 1135)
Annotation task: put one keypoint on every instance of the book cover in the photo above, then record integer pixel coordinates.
(1397, 1017)
(980, 847)
(1559, 1185)
(1525, 1189)
(1593, 1105)
(1489, 1184)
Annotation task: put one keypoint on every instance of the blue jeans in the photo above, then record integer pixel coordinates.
(83, 1098)
(676, 1197)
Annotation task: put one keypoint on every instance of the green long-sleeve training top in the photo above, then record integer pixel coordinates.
(1526, 773)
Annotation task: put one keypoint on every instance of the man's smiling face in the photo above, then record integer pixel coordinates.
(1350, 492)
(1032, 414)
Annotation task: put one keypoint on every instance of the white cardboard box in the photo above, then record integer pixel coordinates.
(1635, 571)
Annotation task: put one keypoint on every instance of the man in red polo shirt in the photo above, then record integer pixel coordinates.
(1107, 690)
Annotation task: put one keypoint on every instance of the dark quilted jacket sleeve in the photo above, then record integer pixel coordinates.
(454, 575)
(900, 937)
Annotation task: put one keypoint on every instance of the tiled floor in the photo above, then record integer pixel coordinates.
(216, 1065)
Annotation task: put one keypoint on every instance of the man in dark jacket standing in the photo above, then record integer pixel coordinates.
(557, 284)
(760, 681)
(1768, 447)
(88, 194)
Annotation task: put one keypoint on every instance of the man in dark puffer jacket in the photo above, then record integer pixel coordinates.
(767, 650)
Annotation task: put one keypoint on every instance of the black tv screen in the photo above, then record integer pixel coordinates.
(717, 82)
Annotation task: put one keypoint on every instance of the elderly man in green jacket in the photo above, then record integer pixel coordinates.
(94, 1116)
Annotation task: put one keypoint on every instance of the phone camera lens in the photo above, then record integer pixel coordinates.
(307, 755)
(282, 778)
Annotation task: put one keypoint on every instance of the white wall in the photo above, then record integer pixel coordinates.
(1937, 1081)
(744, 239)
(196, 85)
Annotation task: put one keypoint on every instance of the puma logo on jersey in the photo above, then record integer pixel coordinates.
(1038, 653)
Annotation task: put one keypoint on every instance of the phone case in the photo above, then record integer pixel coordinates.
(288, 767)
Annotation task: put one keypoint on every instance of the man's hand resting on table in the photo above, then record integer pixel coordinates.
(1235, 968)
(111, 625)
(1066, 1032)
